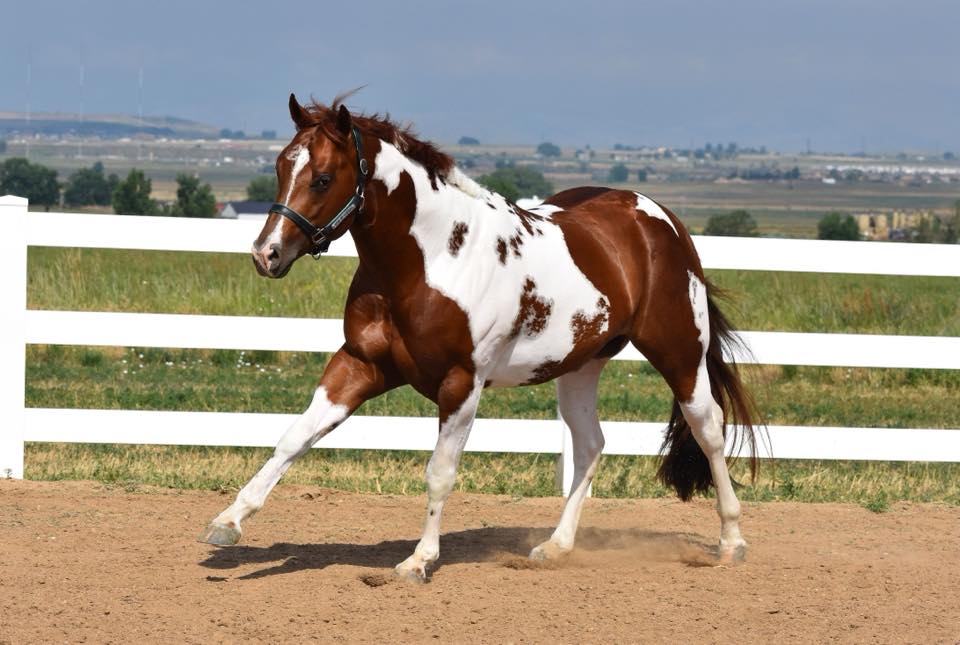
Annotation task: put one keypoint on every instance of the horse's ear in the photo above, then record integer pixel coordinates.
(299, 115)
(344, 120)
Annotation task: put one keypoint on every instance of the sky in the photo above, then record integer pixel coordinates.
(846, 75)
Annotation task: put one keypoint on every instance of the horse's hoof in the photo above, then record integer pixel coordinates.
(411, 572)
(548, 551)
(220, 535)
(732, 556)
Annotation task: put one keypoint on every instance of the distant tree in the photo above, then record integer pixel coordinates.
(838, 226)
(642, 175)
(618, 174)
(268, 134)
(227, 133)
(3, 147)
(515, 182)
(132, 195)
(193, 199)
(947, 156)
(547, 149)
(468, 141)
(738, 223)
(35, 182)
(498, 183)
(262, 188)
(89, 186)
(793, 173)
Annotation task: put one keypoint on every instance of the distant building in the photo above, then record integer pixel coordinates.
(244, 210)
(873, 226)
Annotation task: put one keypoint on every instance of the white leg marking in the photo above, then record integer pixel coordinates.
(441, 477)
(577, 399)
(706, 421)
(653, 209)
(320, 418)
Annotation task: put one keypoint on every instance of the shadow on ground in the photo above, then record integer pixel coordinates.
(508, 545)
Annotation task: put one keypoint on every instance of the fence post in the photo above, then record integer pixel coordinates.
(13, 305)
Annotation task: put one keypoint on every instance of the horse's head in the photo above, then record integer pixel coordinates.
(320, 178)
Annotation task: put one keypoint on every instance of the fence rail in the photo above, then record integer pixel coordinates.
(494, 435)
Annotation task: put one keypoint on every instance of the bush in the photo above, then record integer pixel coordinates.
(515, 182)
(618, 174)
(89, 187)
(193, 199)
(547, 149)
(35, 182)
(738, 223)
(132, 195)
(838, 226)
(262, 189)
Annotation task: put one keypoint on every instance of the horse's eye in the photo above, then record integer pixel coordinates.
(321, 182)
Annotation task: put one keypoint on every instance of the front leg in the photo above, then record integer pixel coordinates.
(458, 399)
(346, 383)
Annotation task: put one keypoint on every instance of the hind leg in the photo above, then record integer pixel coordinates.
(706, 421)
(676, 343)
(577, 400)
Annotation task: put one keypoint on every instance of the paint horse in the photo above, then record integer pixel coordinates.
(458, 290)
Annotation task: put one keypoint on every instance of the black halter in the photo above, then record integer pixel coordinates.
(321, 236)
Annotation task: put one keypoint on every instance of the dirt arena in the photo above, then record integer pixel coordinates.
(82, 562)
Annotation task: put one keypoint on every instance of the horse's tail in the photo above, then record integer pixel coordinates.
(684, 467)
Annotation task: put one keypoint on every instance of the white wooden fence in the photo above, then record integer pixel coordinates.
(22, 326)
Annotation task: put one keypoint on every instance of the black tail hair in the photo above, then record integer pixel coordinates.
(684, 467)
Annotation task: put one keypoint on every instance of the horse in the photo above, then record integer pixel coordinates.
(458, 290)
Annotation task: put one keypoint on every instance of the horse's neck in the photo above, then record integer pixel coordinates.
(402, 235)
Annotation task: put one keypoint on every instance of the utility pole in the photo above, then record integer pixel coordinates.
(27, 132)
(80, 129)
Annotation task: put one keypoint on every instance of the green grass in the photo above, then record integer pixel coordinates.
(875, 485)
(227, 380)
(113, 280)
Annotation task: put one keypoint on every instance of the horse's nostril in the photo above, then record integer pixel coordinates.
(274, 254)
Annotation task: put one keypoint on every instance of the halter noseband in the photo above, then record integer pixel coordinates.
(321, 236)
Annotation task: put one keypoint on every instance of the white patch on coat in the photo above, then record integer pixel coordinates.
(653, 209)
(702, 399)
(546, 210)
(487, 290)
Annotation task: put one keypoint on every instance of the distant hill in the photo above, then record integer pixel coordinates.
(107, 126)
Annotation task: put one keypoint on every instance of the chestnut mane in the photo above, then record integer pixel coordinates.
(436, 163)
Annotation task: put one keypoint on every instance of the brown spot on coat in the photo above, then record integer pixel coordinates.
(534, 312)
(502, 250)
(457, 237)
(590, 327)
(516, 241)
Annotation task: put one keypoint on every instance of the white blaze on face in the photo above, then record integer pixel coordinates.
(653, 209)
(486, 288)
(300, 156)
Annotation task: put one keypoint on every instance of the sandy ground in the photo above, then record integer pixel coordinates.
(82, 562)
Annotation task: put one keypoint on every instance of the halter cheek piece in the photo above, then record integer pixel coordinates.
(321, 237)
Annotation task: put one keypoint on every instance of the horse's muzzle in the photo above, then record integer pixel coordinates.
(269, 261)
